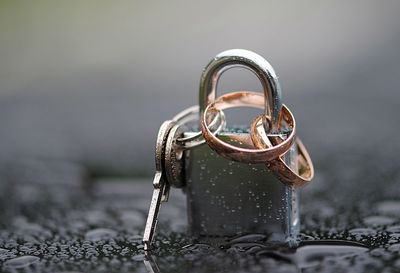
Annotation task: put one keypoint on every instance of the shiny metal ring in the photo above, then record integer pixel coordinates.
(296, 178)
(191, 114)
(256, 64)
(256, 155)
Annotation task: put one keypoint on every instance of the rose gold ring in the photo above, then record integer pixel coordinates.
(298, 175)
(245, 155)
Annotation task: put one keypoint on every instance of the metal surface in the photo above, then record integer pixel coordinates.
(161, 186)
(174, 164)
(227, 198)
(251, 61)
(170, 164)
(191, 114)
(250, 154)
(299, 176)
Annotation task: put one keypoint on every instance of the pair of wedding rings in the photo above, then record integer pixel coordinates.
(273, 133)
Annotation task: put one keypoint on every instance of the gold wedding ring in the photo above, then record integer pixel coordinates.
(245, 155)
(286, 174)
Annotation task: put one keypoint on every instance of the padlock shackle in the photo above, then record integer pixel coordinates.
(253, 62)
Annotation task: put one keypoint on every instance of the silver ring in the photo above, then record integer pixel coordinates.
(192, 114)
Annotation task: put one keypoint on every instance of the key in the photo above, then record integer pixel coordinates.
(170, 169)
(174, 163)
(151, 264)
(160, 184)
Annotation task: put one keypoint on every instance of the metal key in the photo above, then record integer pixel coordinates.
(160, 184)
(170, 167)
(150, 263)
(174, 163)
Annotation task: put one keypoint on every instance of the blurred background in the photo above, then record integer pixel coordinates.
(90, 82)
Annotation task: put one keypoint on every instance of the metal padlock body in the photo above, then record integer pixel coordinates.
(227, 198)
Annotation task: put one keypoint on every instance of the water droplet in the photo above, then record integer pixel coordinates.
(389, 208)
(395, 236)
(378, 220)
(312, 255)
(21, 262)
(138, 258)
(249, 238)
(394, 229)
(362, 231)
(100, 234)
(132, 218)
(394, 248)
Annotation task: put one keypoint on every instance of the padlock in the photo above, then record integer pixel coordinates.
(226, 198)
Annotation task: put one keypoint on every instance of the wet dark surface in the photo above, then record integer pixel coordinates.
(55, 217)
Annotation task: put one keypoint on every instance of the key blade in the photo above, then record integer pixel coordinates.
(165, 194)
(152, 217)
(158, 180)
(151, 264)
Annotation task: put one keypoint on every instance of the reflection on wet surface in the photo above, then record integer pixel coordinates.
(55, 219)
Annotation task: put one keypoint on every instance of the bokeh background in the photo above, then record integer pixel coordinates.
(90, 82)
